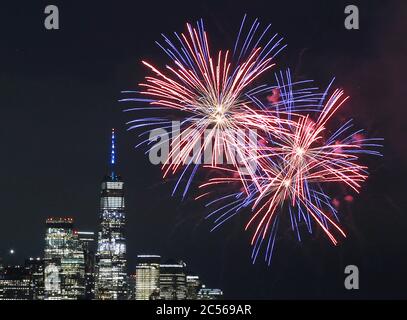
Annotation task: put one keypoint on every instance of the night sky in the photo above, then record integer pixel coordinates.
(59, 93)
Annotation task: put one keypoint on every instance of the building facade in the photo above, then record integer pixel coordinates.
(87, 242)
(147, 277)
(64, 265)
(15, 283)
(173, 283)
(111, 264)
(194, 284)
(209, 294)
(35, 269)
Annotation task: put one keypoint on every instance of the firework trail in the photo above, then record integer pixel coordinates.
(293, 170)
(216, 100)
(213, 96)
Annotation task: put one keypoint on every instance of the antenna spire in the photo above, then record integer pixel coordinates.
(113, 153)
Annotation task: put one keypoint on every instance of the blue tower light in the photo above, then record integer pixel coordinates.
(113, 153)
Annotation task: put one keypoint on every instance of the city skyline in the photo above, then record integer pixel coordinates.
(89, 265)
(64, 273)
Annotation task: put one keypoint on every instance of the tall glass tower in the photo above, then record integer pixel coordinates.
(111, 275)
(147, 277)
(64, 261)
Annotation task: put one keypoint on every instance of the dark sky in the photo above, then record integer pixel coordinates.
(59, 94)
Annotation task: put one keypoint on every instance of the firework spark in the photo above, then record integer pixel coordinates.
(216, 100)
(214, 97)
(293, 170)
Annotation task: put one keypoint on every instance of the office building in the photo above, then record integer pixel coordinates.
(209, 294)
(87, 243)
(64, 270)
(173, 283)
(15, 283)
(193, 286)
(35, 269)
(147, 277)
(111, 265)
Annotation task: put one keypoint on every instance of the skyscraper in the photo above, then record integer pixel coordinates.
(35, 268)
(147, 277)
(87, 240)
(173, 284)
(63, 260)
(193, 286)
(131, 287)
(15, 283)
(111, 275)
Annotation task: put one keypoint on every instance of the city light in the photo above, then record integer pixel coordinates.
(72, 269)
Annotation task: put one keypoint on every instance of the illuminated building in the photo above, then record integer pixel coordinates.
(35, 268)
(173, 284)
(193, 286)
(131, 287)
(147, 277)
(209, 294)
(15, 283)
(63, 260)
(87, 240)
(111, 275)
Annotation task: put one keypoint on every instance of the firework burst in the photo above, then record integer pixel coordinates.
(216, 101)
(292, 172)
(214, 97)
